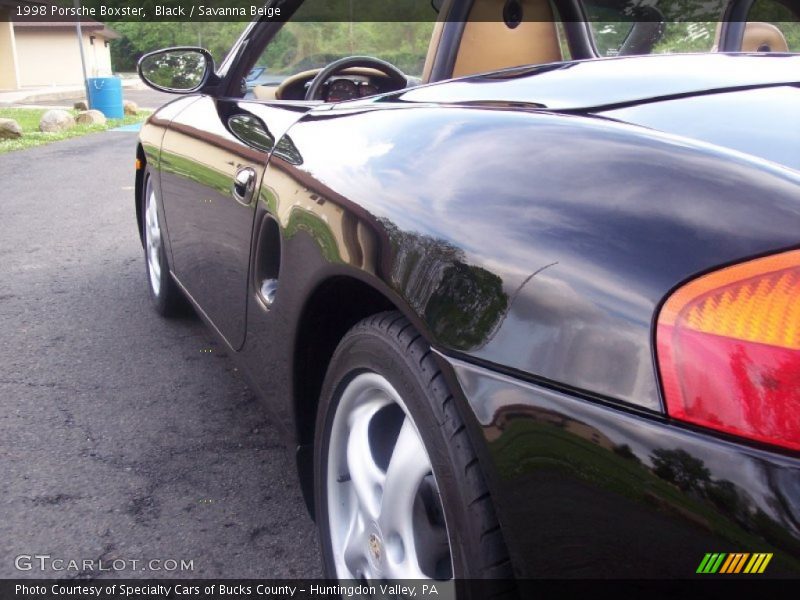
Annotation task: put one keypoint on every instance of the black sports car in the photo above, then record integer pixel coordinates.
(528, 312)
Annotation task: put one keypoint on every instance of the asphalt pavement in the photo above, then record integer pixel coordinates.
(147, 98)
(123, 436)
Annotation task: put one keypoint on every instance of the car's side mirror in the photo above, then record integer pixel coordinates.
(177, 70)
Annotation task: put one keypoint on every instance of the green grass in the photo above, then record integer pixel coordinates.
(28, 119)
(301, 219)
(195, 171)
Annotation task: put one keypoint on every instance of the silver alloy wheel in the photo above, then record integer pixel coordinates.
(385, 515)
(152, 235)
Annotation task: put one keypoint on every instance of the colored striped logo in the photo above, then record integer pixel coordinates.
(736, 562)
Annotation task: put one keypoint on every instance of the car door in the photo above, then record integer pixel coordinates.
(212, 160)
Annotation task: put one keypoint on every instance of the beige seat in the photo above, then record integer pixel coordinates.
(763, 37)
(757, 37)
(488, 44)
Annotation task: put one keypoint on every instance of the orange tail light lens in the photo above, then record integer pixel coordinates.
(729, 350)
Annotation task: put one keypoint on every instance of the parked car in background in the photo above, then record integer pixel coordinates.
(261, 76)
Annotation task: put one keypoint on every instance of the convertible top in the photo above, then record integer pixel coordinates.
(615, 81)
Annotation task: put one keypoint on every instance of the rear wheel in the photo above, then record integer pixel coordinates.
(401, 494)
(167, 298)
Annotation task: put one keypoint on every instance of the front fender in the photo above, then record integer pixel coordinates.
(538, 243)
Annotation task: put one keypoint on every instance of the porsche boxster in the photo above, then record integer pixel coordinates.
(522, 289)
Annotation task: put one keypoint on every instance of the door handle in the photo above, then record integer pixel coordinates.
(244, 183)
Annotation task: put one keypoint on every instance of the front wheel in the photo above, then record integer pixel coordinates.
(400, 492)
(167, 298)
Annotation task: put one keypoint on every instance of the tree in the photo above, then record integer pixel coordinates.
(138, 38)
(682, 469)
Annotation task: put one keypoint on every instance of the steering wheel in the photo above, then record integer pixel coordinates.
(314, 91)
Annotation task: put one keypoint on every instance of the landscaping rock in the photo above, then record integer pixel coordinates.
(80, 105)
(91, 117)
(131, 108)
(56, 120)
(9, 129)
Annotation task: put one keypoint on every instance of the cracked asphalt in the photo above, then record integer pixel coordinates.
(123, 435)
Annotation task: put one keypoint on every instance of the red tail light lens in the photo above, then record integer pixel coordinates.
(729, 350)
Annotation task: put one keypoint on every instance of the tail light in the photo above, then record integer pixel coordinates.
(729, 350)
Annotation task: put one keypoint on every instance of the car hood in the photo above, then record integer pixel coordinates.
(590, 84)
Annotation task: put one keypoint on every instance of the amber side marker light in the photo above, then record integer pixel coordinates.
(728, 348)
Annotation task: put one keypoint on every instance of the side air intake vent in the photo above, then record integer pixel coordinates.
(268, 261)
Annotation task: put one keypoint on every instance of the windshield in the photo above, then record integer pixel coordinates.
(300, 46)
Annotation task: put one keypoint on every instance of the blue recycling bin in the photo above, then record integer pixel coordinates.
(105, 95)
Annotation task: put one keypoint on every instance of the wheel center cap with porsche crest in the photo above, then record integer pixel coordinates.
(375, 547)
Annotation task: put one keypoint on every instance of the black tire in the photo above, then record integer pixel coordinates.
(168, 299)
(387, 344)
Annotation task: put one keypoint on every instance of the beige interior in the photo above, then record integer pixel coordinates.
(489, 44)
(763, 37)
(436, 38)
(433, 47)
(758, 37)
(266, 92)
